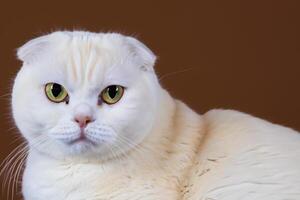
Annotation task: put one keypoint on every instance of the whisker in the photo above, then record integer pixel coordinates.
(143, 150)
(5, 95)
(9, 166)
(13, 164)
(18, 170)
(12, 153)
(135, 148)
(175, 72)
(12, 174)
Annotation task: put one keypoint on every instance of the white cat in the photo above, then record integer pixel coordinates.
(100, 127)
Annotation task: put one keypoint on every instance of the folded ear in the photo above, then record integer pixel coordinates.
(143, 52)
(33, 48)
(37, 46)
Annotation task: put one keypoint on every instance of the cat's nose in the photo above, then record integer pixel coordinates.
(83, 120)
(83, 114)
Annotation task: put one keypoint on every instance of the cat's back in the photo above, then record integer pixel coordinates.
(243, 157)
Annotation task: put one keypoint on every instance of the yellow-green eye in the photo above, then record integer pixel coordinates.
(56, 92)
(112, 94)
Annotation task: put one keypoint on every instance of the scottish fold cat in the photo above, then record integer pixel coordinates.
(100, 127)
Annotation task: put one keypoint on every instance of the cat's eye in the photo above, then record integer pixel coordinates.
(56, 93)
(112, 94)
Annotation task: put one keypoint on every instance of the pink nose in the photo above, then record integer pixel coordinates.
(83, 120)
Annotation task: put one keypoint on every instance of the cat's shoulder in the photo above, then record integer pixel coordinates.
(228, 116)
(236, 120)
(231, 125)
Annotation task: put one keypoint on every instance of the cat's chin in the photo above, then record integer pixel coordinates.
(80, 146)
(85, 146)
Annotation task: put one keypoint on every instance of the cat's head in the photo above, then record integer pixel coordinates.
(85, 94)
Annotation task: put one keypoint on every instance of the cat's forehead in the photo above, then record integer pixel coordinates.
(89, 59)
(85, 57)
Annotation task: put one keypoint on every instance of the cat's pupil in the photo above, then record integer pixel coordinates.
(112, 91)
(56, 89)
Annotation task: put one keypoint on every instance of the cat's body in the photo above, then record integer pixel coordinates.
(221, 155)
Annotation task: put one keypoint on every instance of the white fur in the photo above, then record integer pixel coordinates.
(146, 146)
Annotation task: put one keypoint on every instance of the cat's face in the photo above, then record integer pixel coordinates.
(85, 94)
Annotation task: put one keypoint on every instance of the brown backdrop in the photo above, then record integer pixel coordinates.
(236, 54)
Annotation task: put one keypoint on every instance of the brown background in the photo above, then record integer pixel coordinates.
(238, 54)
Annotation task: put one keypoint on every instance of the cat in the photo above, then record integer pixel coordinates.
(100, 127)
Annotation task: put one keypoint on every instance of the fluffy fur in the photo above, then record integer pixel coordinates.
(148, 145)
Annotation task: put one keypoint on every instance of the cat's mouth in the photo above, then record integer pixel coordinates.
(82, 139)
